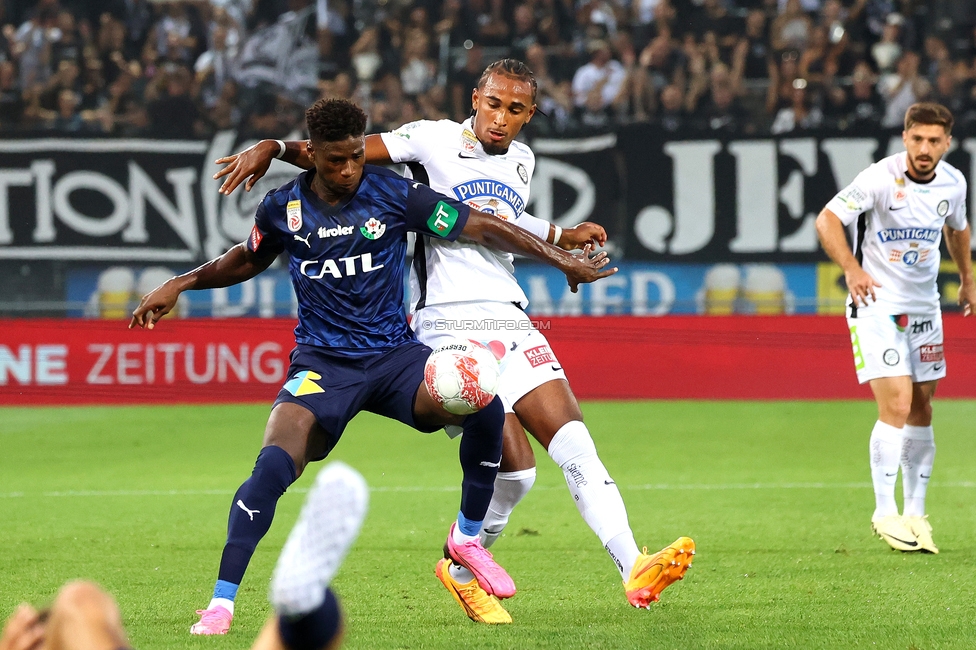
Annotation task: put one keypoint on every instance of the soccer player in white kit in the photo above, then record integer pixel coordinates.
(897, 211)
(467, 291)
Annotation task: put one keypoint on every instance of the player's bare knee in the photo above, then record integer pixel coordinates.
(81, 594)
(896, 409)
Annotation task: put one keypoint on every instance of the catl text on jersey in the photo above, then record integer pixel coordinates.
(347, 260)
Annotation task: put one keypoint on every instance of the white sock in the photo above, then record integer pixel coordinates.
(460, 573)
(596, 495)
(917, 456)
(459, 537)
(510, 488)
(885, 447)
(223, 602)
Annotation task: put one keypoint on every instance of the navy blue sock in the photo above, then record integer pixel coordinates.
(314, 630)
(252, 511)
(480, 453)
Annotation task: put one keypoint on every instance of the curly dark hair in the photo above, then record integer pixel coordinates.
(331, 120)
(510, 68)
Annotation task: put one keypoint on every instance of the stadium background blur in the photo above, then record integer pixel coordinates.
(705, 135)
(190, 68)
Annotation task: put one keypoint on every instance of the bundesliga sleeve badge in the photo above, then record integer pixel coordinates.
(293, 214)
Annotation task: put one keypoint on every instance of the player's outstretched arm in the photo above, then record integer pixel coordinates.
(958, 241)
(830, 230)
(250, 165)
(495, 233)
(567, 239)
(233, 267)
(578, 236)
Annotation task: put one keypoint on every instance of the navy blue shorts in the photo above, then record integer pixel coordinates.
(336, 387)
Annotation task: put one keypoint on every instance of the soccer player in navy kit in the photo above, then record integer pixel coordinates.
(344, 226)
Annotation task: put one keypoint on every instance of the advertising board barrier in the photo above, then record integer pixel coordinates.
(665, 198)
(60, 362)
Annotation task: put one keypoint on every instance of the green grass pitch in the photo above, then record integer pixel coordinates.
(777, 496)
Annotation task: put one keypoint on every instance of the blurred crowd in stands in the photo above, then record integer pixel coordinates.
(188, 68)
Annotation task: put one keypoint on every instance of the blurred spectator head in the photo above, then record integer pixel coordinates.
(908, 65)
(67, 102)
(524, 19)
(863, 80)
(599, 51)
(672, 98)
(755, 24)
(8, 75)
(178, 81)
(67, 73)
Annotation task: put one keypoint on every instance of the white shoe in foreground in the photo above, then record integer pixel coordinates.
(327, 526)
(922, 530)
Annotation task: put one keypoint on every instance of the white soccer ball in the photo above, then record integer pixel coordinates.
(462, 376)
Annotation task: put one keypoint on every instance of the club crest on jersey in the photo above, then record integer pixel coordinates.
(943, 208)
(910, 257)
(483, 190)
(373, 229)
(523, 173)
(293, 214)
(468, 141)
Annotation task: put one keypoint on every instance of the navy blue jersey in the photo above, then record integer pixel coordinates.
(347, 260)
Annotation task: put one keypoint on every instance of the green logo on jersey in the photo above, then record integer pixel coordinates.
(443, 218)
(856, 344)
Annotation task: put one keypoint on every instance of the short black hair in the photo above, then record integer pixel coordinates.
(331, 120)
(510, 68)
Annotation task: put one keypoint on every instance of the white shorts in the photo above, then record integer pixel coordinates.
(527, 361)
(895, 346)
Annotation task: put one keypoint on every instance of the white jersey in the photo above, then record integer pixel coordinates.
(457, 165)
(896, 226)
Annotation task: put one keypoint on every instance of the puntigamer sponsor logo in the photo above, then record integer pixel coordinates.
(901, 234)
(484, 187)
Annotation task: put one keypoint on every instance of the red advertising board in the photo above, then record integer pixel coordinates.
(615, 357)
(103, 362)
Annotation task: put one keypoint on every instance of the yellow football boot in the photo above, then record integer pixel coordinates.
(895, 532)
(922, 529)
(652, 574)
(478, 604)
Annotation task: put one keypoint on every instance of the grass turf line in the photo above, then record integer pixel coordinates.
(778, 566)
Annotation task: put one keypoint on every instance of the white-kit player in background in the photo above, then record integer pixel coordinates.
(897, 211)
(462, 286)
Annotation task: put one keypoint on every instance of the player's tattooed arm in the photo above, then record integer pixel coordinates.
(233, 267)
(958, 242)
(830, 230)
(496, 233)
(250, 165)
